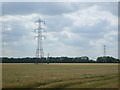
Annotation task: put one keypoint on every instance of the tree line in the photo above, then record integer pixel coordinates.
(83, 59)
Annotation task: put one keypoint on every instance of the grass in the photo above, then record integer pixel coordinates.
(60, 75)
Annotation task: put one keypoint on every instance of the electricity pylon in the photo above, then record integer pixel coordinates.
(39, 30)
(104, 52)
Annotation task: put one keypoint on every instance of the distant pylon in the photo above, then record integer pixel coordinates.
(39, 30)
(104, 48)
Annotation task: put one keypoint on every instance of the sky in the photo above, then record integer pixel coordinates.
(73, 29)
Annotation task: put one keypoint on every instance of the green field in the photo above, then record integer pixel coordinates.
(66, 75)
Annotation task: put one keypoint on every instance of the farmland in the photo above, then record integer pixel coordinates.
(60, 75)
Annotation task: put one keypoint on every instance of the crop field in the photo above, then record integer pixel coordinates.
(60, 75)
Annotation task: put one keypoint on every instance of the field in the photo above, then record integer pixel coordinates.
(73, 75)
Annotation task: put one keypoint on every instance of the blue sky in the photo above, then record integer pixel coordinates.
(72, 29)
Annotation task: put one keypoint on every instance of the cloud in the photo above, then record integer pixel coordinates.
(91, 16)
(72, 29)
(51, 8)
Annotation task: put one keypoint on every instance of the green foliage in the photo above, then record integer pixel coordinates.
(83, 59)
(107, 59)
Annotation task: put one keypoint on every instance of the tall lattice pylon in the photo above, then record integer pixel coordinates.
(39, 30)
(104, 50)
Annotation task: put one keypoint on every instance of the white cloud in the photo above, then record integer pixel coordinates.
(98, 43)
(51, 36)
(111, 35)
(66, 31)
(20, 17)
(64, 38)
(9, 29)
(92, 16)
